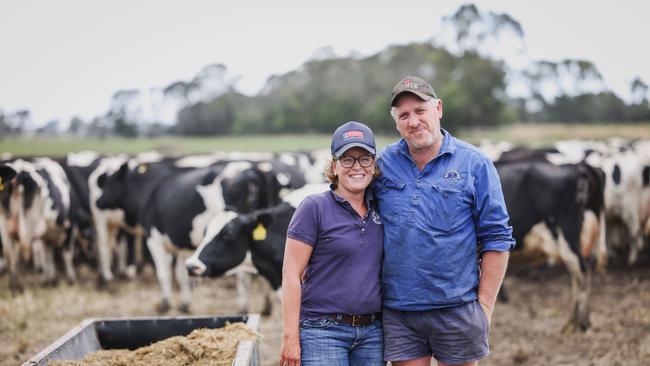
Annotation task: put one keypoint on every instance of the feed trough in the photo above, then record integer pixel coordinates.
(131, 333)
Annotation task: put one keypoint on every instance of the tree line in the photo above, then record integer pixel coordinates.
(327, 90)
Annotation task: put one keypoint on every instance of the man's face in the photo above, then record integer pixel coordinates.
(418, 121)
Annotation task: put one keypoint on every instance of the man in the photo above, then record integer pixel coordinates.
(446, 237)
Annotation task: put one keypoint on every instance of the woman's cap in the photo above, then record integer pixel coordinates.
(352, 134)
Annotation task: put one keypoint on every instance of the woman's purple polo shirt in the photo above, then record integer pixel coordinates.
(343, 273)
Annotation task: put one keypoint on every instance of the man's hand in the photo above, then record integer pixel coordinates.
(290, 355)
(488, 312)
(493, 268)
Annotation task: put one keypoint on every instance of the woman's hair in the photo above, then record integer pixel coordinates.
(334, 179)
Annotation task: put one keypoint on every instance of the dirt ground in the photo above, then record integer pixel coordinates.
(525, 331)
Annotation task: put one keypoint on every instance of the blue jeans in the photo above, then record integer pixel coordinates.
(325, 342)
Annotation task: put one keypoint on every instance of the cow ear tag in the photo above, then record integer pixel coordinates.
(142, 169)
(259, 233)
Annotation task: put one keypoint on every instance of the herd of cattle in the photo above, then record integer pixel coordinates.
(581, 203)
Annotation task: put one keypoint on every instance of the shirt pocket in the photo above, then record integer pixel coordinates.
(446, 208)
(392, 192)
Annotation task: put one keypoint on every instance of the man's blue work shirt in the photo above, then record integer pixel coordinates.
(436, 222)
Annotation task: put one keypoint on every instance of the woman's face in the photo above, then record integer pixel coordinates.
(355, 178)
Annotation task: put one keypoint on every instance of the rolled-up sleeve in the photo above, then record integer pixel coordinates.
(490, 213)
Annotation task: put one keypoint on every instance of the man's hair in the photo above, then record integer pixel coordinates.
(392, 109)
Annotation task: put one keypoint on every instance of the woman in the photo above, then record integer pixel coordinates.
(331, 295)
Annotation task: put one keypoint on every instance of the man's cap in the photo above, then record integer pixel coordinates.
(415, 85)
(352, 134)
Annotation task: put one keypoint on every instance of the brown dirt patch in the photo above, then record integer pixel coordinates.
(525, 331)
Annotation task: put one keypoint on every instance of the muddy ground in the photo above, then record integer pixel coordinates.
(525, 331)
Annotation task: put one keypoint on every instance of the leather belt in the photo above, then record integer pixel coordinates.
(355, 320)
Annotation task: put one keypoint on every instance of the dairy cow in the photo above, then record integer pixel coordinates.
(261, 233)
(568, 153)
(7, 175)
(551, 201)
(627, 199)
(78, 167)
(40, 210)
(642, 149)
(107, 223)
(114, 237)
(175, 206)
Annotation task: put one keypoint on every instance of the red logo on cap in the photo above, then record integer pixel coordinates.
(352, 134)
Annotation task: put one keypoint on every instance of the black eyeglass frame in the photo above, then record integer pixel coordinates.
(354, 161)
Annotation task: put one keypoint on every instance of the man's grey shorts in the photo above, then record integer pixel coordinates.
(451, 335)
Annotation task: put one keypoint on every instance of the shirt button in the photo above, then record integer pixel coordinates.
(418, 180)
(445, 195)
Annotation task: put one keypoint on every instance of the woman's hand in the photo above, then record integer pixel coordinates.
(290, 355)
(296, 257)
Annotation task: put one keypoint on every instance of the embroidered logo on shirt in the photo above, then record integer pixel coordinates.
(375, 218)
(452, 176)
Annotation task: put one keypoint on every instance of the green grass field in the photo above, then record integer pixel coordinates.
(521, 134)
(538, 134)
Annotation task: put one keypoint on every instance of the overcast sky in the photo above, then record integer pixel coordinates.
(65, 58)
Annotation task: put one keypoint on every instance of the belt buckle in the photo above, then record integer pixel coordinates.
(354, 320)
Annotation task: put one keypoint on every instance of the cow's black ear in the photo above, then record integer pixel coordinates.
(101, 180)
(265, 218)
(233, 229)
(123, 169)
(7, 173)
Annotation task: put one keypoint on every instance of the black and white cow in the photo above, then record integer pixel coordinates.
(39, 206)
(78, 167)
(66, 191)
(107, 223)
(7, 226)
(574, 153)
(310, 163)
(113, 237)
(553, 199)
(288, 170)
(627, 200)
(642, 149)
(176, 206)
(261, 233)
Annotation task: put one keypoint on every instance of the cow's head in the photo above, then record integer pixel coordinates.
(27, 204)
(113, 188)
(267, 249)
(245, 192)
(7, 174)
(284, 179)
(229, 237)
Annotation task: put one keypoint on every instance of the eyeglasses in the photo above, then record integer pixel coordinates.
(349, 161)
